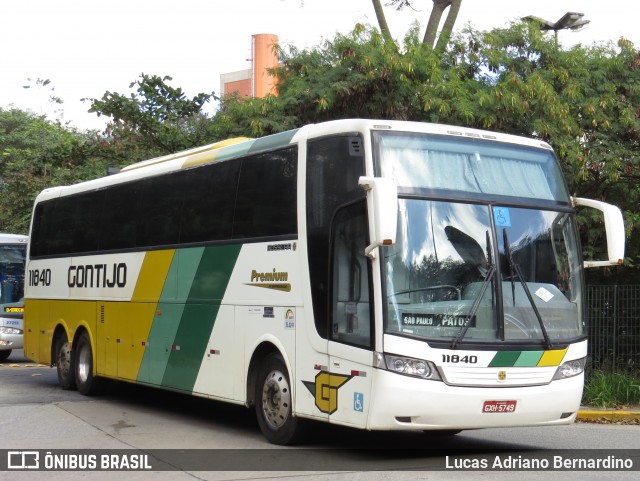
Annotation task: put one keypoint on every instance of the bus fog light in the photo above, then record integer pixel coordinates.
(570, 369)
(412, 367)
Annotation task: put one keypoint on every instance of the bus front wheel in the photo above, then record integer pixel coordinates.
(83, 363)
(63, 362)
(273, 402)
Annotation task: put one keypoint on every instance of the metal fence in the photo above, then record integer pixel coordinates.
(614, 328)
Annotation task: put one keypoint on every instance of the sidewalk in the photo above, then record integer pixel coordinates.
(627, 415)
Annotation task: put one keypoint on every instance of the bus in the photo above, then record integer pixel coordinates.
(13, 251)
(383, 275)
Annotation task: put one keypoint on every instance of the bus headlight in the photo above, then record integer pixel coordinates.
(10, 330)
(412, 367)
(570, 369)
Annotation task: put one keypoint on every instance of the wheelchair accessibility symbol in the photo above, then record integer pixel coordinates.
(501, 216)
(358, 401)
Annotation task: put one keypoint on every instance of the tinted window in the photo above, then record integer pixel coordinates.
(187, 206)
(119, 217)
(334, 165)
(207, 212)
(266, 201)
(37, 244)
(159, 209)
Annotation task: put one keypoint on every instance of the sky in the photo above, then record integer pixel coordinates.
(88, 47)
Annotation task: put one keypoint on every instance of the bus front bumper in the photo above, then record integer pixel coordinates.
(404, 403)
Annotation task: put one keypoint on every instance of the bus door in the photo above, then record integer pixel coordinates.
(351, 316)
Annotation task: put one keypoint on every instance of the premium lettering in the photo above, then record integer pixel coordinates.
(98, 275)
(269, 276)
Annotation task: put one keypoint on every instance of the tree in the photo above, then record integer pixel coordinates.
(583, 101)
(158, 118)
(32, 151)
(431, 32)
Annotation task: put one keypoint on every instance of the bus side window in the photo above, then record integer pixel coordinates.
(351, 313)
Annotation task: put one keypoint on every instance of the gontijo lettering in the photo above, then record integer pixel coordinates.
(98, 275)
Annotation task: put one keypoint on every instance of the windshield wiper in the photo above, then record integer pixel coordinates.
(489, 273)
(515, 269)
(474, 308)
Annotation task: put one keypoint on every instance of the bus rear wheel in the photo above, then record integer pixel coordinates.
(83, 366)
(64, 363)
(273, 402)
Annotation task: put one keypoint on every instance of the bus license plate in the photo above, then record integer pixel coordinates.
(499, 406)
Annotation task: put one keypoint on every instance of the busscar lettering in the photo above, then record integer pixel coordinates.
(98, 275)
(279, 247)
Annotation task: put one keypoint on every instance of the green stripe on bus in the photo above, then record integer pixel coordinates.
(233, 150)
(529, 358)
(526, 358)
(272, 141)
(193, 334)
(168, 315)
(505, 359)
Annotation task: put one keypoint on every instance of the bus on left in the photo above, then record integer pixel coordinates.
(13, 249)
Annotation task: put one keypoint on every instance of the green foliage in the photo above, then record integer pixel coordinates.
(584, 101)
(603, 389)
(158, 118)
(30, 148)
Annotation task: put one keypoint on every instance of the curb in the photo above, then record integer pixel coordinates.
(614, 415)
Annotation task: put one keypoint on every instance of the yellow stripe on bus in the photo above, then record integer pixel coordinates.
(153, 275)
(210, 155)
(552, 358)
(131, 339)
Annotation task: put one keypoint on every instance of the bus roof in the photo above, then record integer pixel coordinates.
(13, 238)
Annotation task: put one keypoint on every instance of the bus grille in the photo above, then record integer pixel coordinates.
(497, 377)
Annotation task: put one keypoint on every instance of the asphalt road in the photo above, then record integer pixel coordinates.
(185, 437)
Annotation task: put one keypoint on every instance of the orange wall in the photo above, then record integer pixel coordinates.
(264, 57)
(241, 87)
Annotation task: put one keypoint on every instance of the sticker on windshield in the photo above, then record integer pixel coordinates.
(501, 216)
(544, 294)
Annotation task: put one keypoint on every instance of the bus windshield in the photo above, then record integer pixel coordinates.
(431, 162)
(12, 259)
(479, 271)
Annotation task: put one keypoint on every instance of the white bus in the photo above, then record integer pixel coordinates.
(382, 275)
(13, 249)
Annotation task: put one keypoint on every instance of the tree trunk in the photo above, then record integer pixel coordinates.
(382, 20)
(438, 9)
(447, 28)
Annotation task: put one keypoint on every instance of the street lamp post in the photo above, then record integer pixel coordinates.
(570, 20)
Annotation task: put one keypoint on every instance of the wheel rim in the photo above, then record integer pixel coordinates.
(84, 363)
(276, 399)
(64, 359)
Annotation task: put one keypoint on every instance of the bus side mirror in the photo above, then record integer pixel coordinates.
(614, 227)
(382, 201)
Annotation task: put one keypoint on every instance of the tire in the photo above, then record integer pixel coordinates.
(5, 354)
(86, 383)
(64, 363)
(273, 402)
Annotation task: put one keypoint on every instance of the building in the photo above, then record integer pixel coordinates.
(254, 81)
